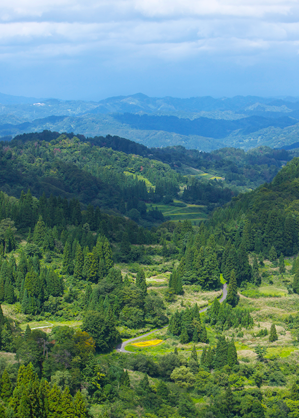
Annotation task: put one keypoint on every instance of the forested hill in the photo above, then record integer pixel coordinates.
(78, 275)
(266, 217)
(242, 169)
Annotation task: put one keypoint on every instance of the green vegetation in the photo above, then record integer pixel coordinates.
(76, 280)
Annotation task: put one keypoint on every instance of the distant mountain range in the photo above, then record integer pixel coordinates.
(202, 123)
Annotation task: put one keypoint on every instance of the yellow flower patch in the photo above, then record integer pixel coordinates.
(147, 343)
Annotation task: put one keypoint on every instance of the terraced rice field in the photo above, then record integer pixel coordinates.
(194, 213)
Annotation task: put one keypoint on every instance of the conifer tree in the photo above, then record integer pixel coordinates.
(232, 356)
(107, 255)
(203, 335)
(140, 281)
(209, 358)
(221, 353)
(80, 406)
(67, 264)
(203, 356)
(9, 295)
(255, 270)
(184, 337)
(162, 390)
(272, 254)
(27, 333)
(281, 264)
(125, 247)
(125, 379)
(6, 386)
(194, 354)
(179, 286)
(44, 389)
(296, 282)
(32, 284)
(273, 334)
(90, 268)
(144, 384)
(195, 336)
(232, 295)
(66, 407)
(39, 233)
(54, 402)
(24, 410)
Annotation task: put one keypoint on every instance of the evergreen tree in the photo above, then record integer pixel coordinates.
(125, 379)
(179, 286)
(194, 354)
(80, 406)
(27, 333)
(6, 386)
(232, 356)
(195, 337)
(255, 270)
(232, 295)
(273, 334)
(66, 407)
(272, 254)
(281, 264)
(162, 390)
(221, 353)
(107, 255)
(203, 335)
(54, 402)
(40, 232)
(140, 281)
(79, 263)
(296, 282)
(184, 337)
(67, 264)
(144, 385)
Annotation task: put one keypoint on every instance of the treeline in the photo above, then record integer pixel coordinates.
(72, 169)
(264, 219)
(188, 326)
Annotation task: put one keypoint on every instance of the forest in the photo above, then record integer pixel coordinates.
(110, 309)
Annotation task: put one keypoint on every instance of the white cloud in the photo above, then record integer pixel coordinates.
(126, 31)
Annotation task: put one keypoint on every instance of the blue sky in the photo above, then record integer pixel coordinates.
(92, 49)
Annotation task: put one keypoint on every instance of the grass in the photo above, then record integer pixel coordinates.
(191, 212)
(282, 352)
(50, 324)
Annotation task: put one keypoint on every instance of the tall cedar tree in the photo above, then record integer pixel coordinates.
(140, 281)
(273, 334)
(68, 267)
(232, 295)
(79, 263)
(282, 268)
(232, 356)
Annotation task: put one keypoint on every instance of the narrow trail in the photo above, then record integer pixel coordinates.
(121, 347)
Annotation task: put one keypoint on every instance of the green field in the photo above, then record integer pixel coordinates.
(193, 213)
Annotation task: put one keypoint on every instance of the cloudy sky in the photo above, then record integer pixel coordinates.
(92, 49)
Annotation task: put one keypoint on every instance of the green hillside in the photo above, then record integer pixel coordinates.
(109, 245)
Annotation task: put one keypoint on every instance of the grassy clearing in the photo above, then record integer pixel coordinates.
(193, 294)
(50, 324)
(191, 212)
(282, 352)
